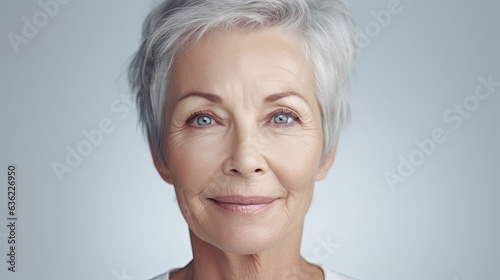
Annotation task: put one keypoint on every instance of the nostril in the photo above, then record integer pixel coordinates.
(236, 171)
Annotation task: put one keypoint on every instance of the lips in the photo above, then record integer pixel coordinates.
(243, 204)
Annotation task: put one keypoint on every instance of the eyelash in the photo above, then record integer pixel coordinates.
(194, 115)
(281, 111)
(287, 112)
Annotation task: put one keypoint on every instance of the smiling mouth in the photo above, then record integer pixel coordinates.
(241, 204)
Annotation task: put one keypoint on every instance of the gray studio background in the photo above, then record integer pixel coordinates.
(113, 218)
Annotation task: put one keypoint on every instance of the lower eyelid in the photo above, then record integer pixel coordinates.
(196, 115)
(293, 116)
(191, 120)
(195, 120)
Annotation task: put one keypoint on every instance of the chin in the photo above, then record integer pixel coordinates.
(246, 233)
(243, 241)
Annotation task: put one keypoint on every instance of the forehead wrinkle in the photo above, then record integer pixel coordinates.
(289, 71)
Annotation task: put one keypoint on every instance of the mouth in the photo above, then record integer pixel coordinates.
(243, 204)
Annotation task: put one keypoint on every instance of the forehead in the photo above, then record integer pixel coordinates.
(266, 60)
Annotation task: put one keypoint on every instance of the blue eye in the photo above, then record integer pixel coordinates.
(283, 118)
(204, 120)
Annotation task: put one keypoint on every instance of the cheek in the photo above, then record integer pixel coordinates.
(192, 162)
(295, 159)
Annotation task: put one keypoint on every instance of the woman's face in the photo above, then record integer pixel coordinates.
(243, 138)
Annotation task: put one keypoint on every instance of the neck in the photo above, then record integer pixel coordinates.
(282, 261)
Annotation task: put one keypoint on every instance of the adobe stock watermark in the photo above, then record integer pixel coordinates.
(381, 20)
(31, 26)
(322, 252)
(92, 138)
(454, 117)
(122, 275)
(325, 249)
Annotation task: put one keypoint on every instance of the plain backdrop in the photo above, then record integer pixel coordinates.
(113, 218)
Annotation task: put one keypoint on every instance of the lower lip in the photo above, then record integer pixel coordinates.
(243, 208)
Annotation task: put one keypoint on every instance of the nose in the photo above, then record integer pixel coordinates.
(246, 158)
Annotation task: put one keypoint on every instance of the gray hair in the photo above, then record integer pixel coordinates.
(329, 37)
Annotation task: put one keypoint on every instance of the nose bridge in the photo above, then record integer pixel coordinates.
(247, 154)
(246, 141)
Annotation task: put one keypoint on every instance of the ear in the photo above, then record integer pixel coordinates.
(161, 166)
(323, 170)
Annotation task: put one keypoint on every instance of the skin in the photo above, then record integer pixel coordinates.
(256, 131)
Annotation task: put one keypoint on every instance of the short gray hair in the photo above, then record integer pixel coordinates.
(329, 37)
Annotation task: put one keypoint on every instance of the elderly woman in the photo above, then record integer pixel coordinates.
(242, 103)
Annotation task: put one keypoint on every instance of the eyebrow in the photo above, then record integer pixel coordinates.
(210, 96)
(277, 96)
(217, 99)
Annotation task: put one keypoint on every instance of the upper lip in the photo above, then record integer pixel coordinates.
(244, 200)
